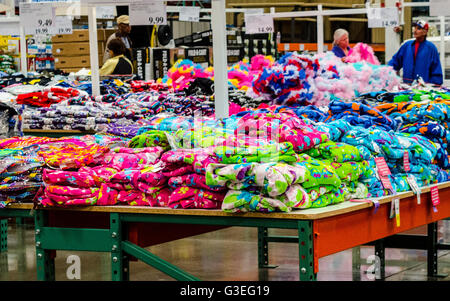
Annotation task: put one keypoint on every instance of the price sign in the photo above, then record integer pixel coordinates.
(435, 196)
(383, 168)
(190, 14)
(63, 25)
(106, 12)
(258, 24)
(382, 17)
(406, 164)
(439, 8)
(151, 13)
(37, 18)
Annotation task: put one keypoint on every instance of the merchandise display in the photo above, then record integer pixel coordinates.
(305, 131)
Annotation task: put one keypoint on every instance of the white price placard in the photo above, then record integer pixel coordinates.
(150, 13)
(62, 25)
(439, 8)
(106, 12)
(258, 24)
(383, 17)
(190, 14)
(37, 18)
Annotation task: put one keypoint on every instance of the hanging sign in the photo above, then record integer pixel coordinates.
(439, 8)
(62, 25)
(379, 17)
(150, 13)
(190, 14)
(258, 24)
(106, 12)
(37, 18)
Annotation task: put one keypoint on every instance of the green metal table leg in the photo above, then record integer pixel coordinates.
(432, 251)
(306, 251)
(19, 221)
(356, 263)
(117, 256)
(3, 235)
(380, 253)
(263, 248)
(45, 263)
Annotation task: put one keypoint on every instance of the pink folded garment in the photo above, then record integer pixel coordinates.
(187, 197)
(122, 161)
(64, 178)
(101, 174)
(139, 198)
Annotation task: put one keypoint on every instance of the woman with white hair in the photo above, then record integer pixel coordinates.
(341, 43)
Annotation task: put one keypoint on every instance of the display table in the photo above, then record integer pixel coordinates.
(128, 230)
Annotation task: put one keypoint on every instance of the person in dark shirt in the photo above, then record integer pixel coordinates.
(123, 33)
(341, 43)
(118, 64)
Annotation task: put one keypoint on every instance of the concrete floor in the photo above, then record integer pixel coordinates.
(225, 255)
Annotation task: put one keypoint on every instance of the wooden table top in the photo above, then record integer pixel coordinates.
(295, 214)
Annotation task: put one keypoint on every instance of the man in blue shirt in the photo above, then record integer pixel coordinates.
(418, 58)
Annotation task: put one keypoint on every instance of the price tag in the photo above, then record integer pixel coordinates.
(106, 12)
(387, 183)
(258, 24)
(63, 25)
(190, 14)
(37, 18)
(383, 17)
(150, 13)
(414, 187)
(397, 211)
(406, 164)
(383, 168)
(434, 197)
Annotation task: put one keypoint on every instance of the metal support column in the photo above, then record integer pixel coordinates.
(356, 263)
(380, 253)
(3, 235)
(45, 263)
(306, 251)
(432, 251)
(263, 248)
(119, 265)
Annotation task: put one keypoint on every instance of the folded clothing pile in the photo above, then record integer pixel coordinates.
(303, 79)
(347, 163)
(122, 176)
(186, 170)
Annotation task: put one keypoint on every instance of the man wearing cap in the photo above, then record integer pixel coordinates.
(123, 33)
(418, 57)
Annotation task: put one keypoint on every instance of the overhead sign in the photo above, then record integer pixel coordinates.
(149, 13)
(258, 24)
(37, 18)
(379, 17)
(439, 8)
(190, 14)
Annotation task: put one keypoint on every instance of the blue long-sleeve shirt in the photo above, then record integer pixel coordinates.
(338, 51)
(426, 64)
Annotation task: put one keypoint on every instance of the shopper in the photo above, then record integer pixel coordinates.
(418, 57)
(118, 64)
(123, 32)
(341, 46)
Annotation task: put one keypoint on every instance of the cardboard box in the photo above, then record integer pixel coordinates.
(72, 62)
(162, 59)
(142, 57)
(70, 49)
(198, 55)
(234, 54)
(78, 35)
